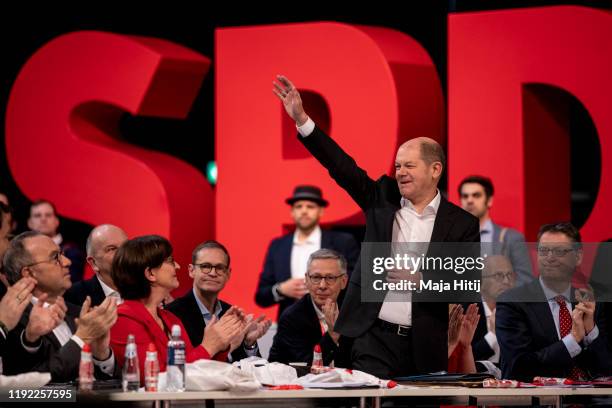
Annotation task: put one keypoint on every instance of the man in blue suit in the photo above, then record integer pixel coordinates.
(282, 279)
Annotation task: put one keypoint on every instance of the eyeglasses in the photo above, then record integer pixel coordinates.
(56, 258)
(557, 252)
(330, 280)
(500, 276)
(170, 260)
(207, 268)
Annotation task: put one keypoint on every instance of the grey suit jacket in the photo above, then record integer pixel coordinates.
(515, 248)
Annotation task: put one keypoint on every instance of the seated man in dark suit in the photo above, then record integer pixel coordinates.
(310, 321)
(102, 243)
(57, 350)
(282, 279)
(547, 327)
(210, 271)
(497, 277)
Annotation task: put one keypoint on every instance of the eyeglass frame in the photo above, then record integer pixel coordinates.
(56, 259)
(210, 266)
(554, 251)
(501, 275)
(325, 278)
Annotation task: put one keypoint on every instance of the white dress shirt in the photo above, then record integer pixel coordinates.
(572, 346)
(409, 226)
(491, 337)
(108, 291)
(301, 251)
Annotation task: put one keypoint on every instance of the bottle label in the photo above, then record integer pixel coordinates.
(179, 357)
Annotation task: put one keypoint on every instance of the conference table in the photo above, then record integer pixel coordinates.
(367, 397)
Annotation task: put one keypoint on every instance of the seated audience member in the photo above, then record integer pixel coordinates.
(547, 327)
(144, 271)
(310, 321)
(497, 277)
(12, 306)
(43, 219)
(461, 328)
(102, 243)
(210, 271)
(50, 335)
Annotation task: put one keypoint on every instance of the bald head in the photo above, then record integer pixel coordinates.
(102, 243)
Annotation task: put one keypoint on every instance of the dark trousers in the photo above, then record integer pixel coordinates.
(382, 352)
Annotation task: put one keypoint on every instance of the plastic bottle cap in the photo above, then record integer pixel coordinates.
(317, 348)
(176, 330)
(86, 348)
(152, 348)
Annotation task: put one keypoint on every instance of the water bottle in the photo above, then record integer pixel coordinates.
(151, 369)
(86, 369)
(317, 360)
(175, 369)
(131, 373)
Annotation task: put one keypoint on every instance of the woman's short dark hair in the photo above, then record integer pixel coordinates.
(131, 260)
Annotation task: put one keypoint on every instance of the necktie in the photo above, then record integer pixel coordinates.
(565, 326)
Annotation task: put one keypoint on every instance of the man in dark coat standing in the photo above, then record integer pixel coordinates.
(397, 336)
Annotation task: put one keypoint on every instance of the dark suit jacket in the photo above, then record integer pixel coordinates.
(529, 342)
(61, 361)
(277, 266)
(80, 290)
(298, 333)
(186, 309)
(380, 200)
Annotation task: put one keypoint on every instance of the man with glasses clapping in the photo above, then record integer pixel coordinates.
(210, 271)
(310, 321)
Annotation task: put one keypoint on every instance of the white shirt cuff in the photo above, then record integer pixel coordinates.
(77, 340)
(31, 350)
(589, 338)
(251, 352)
(275, 295)
(572, 346)
(491, 340)
(107, 366)
(3, 333)
(307, 128)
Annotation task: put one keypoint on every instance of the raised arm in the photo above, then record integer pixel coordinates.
(340, 165)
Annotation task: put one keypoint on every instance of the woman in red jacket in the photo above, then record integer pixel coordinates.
(145, 274)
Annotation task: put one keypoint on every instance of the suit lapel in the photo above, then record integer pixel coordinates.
(195, 317)
(443, 223)
(542, 310)
(325, 239)
(285, 256)
(97, 293)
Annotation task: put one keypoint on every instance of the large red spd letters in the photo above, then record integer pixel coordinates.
(371, 88)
